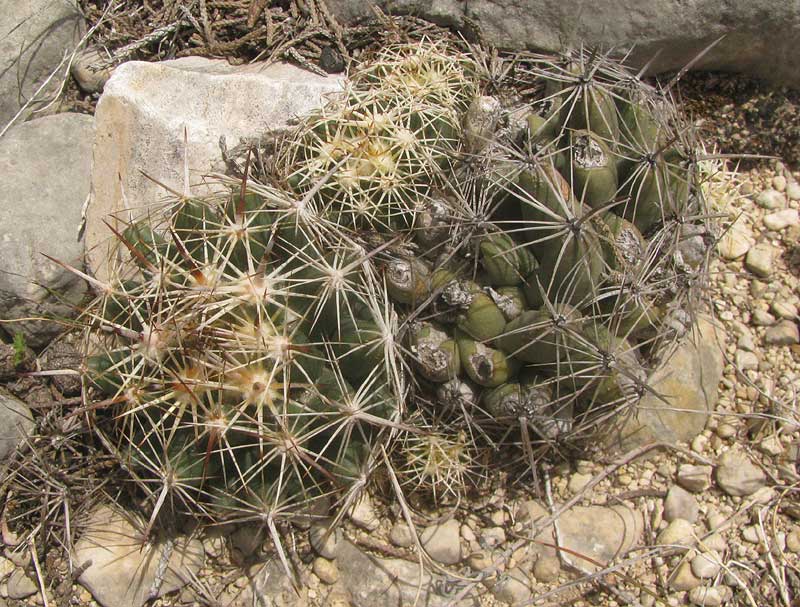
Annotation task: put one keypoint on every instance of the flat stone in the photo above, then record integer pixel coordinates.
(16, 422)
(736, 475)
(679, 532)
(122, 572)
(20, 585)
(40, 214)
(683, 392)
(793, 190)
(372, 581)
(707, 596)
(735, 242)
(706, 565)
(762, 318)
(784, 309)
(779, 183)
(679, 503)
(759, 260)
(513, 588)
(785, 333)
(34, 36)
(781, 219)
(746, 361)
(771, 199)
(683, 579)
(546, 569)
(694, 478)
(443, 542)
(146, 108)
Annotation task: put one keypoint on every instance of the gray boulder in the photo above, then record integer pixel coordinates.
(760, 35)
(46, 164)
(36, 37)
(146, 111)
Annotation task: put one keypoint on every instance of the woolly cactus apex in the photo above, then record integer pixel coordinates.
(214, 344)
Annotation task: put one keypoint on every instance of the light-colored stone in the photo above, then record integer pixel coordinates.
(146, 108)
(762, 318)
(401, 535)
(683, 579)
(20, 585)
(781, 219)
(325, 570)
(784, 309)
(34, 37)
(363, 513)
(793, 541)
(123, 571)
(771, 199)
(442, 542)
(784, 333)
(16, 422)
(513, 588)
(707, 596)
(324, 540)
(679, 503)
(737, 475)
(683, 392)
(679, 532)
(493, 536)
(91, 70)
(372, 581)
(793, 190)
(779, 183)
(736, 241)
(46, 168)
(694, 478)
(546, 569)
(706, 565)
(578, 481)
(759, 260)
(746, 361)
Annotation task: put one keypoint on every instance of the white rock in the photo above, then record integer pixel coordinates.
(122, 571)
(746, 361)
(781, 219)
(146, 107)
(91, 70)
(46, 168)
(442, 542)
(793, 190)
(706, 565)
(20, 585)
(779, 183)
(784, 309)
(759, 260)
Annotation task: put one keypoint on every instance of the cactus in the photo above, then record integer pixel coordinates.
(521, 251)
(242, 363)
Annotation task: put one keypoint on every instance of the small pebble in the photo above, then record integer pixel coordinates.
(678, 532)
(726, 430)
(781, 219)
(785, 333)
(705, 596)
(738, 476)
(694, 478)
(762, 318)
(746, 361)
(771, 199)
(493, 536)
(546, 569)
(706, 565)
(779, 183)
(684, 579)
(759, 260)
(793, 190)
(793, 540)
(325, 570)
(323, 546)
(680, 504)
(401, 535)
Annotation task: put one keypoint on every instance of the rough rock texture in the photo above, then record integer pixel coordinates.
(759, 35)
(34, 37)
(146, 109)
(122, 572)
(15, 422)
(598, 532)
(381, 582)
(684, 392)
(46, 165)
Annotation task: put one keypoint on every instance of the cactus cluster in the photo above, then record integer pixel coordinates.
(246, 367)
(496, 268)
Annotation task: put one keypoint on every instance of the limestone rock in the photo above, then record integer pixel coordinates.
(683, 579)
(90, 70)
(679, 532)
(146, 108)
(759, 260)
(324, 540)
(16, 422)
(46, 165)
(684, 393)
(20, 585)
(785, 333)
(546, 569)
(122, 572)
(771, 199)
(738, 476)
(736, 241)
(781, 219)
(694, 478)
(680, 504)
(382, 582)
(34, 35)
(706, 565)
(442, 542)
(759, 34)
(513, 588)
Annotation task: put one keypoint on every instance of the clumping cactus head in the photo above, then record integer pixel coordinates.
(246, 358)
